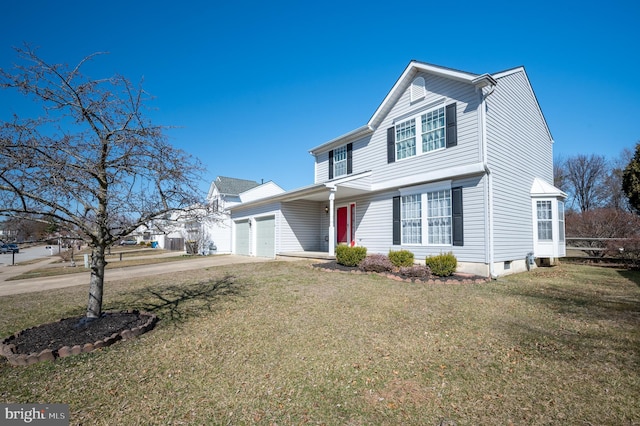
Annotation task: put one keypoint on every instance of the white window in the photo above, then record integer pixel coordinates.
(433, 130)
(411, 219)
(437, 217)
(340, 161)
(545, 220)
(561, 220)
(406, 139)
(432, 133)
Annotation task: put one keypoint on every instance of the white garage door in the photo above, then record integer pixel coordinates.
(266, 236)
(242, 237)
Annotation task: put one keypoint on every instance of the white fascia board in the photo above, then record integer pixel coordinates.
(342, 140)
(294, 194)
(436, 175)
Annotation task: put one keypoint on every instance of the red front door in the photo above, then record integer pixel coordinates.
(342, 225)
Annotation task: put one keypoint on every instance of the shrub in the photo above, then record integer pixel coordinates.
(627, 249)
(415, 271)
(376, 263)
(401, 258)
(350, 256)
(442, 265)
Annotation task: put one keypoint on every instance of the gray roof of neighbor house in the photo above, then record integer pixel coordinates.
(233, 186)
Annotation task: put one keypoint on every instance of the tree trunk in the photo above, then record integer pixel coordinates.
(96, 284)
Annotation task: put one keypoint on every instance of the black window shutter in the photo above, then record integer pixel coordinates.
(330, 164)
(456, 210)
(391, 144)
(349, 158)
(396, 221)
(452, 126)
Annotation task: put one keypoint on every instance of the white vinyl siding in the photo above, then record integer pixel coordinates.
(440, 92)
(519, 150)
(301, 226)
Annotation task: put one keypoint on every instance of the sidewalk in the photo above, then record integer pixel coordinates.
(113, 274)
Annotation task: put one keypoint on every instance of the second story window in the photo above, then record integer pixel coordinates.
(406, 139)
(435, 128)
(340, 161)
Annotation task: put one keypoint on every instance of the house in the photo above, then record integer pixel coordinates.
(450, 161)
(224, 193)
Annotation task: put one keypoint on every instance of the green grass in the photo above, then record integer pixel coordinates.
(281, 343)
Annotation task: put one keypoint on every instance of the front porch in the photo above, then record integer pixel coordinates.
(321, 255)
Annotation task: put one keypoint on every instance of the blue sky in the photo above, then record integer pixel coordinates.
(252, 86)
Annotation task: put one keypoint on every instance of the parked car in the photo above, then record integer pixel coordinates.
(9, 248)
(128, 243)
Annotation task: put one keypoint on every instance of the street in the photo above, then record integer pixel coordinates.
(26, 254)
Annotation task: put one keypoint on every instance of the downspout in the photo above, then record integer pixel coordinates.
(485, 156)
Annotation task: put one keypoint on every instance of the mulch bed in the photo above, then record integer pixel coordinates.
(456, 278)
(72, 336)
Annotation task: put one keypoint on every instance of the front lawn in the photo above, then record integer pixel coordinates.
(281, 343)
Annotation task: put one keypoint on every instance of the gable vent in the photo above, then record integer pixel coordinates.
(418, 89)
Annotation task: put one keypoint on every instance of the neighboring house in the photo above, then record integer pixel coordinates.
(224, 193)
(449, 162)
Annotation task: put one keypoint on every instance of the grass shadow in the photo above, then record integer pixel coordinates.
(177, 303)
(631, 275)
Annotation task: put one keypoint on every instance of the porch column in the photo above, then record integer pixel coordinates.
(332, 230)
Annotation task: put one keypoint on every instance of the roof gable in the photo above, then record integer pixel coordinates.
(233, 186)
(405, 79)
(410, 72)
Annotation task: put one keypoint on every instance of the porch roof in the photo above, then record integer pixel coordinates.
(349, 186)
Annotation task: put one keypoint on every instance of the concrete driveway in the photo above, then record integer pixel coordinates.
(114, 274)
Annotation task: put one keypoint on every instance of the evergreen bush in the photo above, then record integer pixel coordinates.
(350, 256)
(442, 265)
(401, 258)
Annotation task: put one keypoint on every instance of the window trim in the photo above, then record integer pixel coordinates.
(549, 221)
(423, 191)
(348, 158)
(342, 162)
(416, 119)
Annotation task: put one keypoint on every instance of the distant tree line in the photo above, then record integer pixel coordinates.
(603, 199)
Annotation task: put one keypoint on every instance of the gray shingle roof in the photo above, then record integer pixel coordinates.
(233, 186)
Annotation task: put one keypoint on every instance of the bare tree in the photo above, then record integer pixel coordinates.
(583, 180)
(91, 162)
